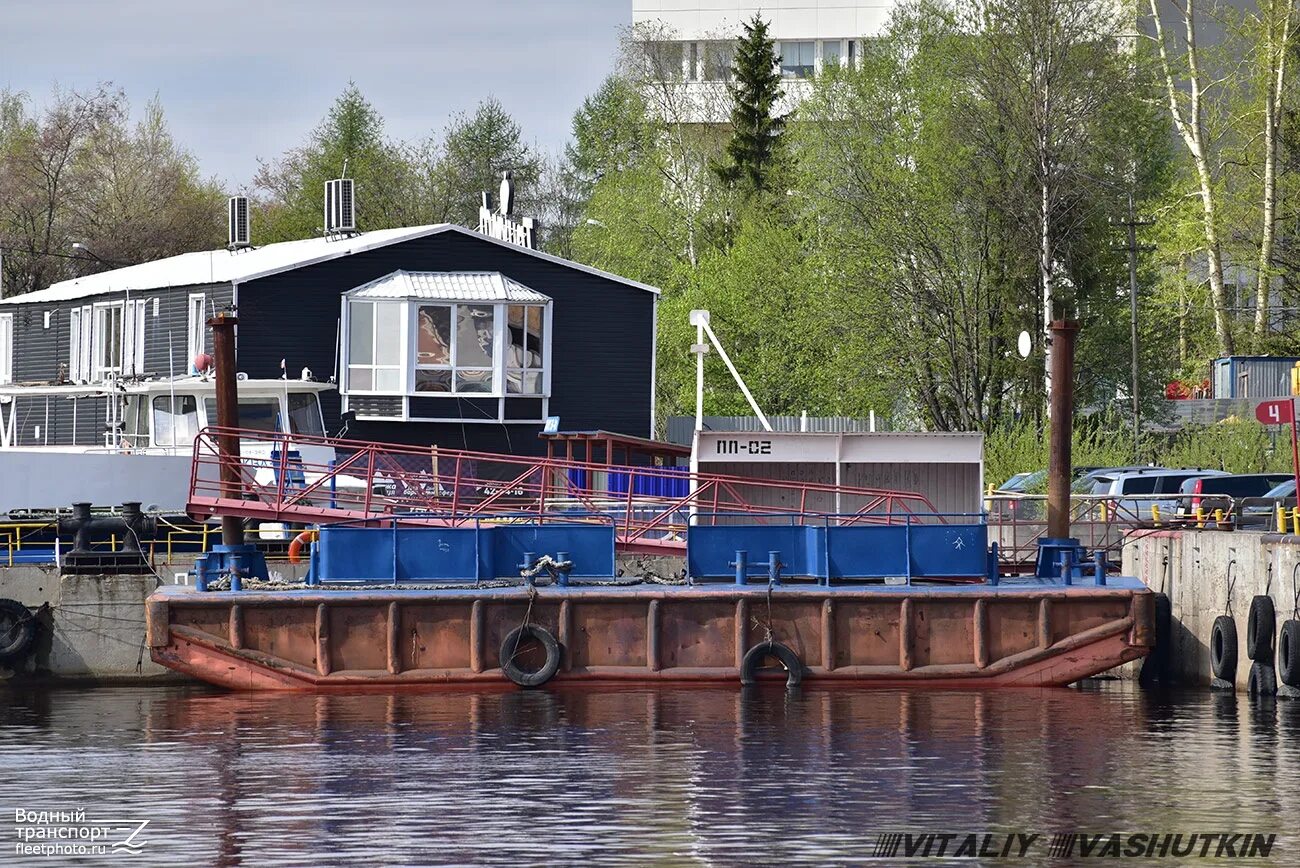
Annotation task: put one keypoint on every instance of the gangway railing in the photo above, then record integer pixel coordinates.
(651, 506)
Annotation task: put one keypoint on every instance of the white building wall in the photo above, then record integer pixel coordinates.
(790, 19)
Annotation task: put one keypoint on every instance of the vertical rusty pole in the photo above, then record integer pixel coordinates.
(1058, 462)
(223, 347)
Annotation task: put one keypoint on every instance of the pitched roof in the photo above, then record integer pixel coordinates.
(449, 286)
(224, 266)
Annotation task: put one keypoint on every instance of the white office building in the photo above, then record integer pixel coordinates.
(694, 39)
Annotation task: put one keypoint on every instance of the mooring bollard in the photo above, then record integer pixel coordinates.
(1099, 562)
(1155, 514)
(774, 568)
(1199, 512)
(562, 577)
(1295, 521)
(741, 563)
(526, 566)
(236, 584)
(1067, 567)
(1281, 518)
(1218, 517)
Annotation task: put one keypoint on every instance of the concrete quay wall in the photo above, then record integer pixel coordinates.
(92, 628)
(1207, 573)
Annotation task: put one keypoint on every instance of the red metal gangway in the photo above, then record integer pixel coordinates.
(289, 478)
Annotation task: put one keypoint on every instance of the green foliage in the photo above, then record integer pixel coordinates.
(1234, 445)
(754, 151)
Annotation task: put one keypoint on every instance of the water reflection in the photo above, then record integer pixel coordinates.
(680, 775)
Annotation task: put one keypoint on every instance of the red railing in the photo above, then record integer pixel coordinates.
(286, 478)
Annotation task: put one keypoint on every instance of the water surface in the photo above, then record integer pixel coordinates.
(634, 775)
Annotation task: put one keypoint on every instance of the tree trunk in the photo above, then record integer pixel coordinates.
(1276, 50)
(1192, 131)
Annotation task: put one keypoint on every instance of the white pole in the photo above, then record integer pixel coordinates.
(803, 421)
(699, 349)
(871, 421)
(726, 360)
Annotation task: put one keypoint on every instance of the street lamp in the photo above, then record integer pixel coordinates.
(83, 250)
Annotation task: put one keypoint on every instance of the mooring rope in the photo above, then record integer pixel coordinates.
(523, 628)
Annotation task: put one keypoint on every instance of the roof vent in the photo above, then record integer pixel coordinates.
(340, 207)
(238, 224)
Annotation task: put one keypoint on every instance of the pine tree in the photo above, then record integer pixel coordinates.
(755, 146)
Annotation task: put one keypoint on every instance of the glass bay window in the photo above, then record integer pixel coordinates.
(435, 348)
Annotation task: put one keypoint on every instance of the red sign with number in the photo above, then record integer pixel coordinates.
(1280, 412)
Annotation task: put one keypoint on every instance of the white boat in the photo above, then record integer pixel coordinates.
(146, 448)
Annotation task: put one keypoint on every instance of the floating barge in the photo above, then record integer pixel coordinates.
(872, 605)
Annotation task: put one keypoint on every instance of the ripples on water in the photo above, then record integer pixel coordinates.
(686, 775)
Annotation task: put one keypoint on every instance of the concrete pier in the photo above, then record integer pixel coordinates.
(1207, 573)
(92, 628)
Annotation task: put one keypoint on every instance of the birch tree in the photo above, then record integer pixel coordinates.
(1186, 90)
(1273, 49)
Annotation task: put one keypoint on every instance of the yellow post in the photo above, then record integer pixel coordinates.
(1200, 516)
(1281, 518)
(1102, 505)
(1295, 521)
(1218, 516)
(1155, 513)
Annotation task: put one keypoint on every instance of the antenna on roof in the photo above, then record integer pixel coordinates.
(238, 235)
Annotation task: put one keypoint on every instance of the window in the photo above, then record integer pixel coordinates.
(717, 60)
(79, 327)
(133, 338)
(460, 360)
(663, 60)
(6, 348)
(255, 414)
(526, 350)
(853, 52)
(196, 331)
(830, 53)
(375, 346)
(175, 420)
(497, 346)
(797, 59)
(693, 61)
(304, 415)
(107, 353)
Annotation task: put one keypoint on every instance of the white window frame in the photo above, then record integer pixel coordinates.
(403, 367)
(6, 348)
(195, 328)
(410, 344)
(781, 58)
(100, 313)
(133, 331)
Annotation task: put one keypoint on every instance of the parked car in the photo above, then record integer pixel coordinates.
(1133, 493)
(1221, 492)
(1264, 510)
(1086, 483)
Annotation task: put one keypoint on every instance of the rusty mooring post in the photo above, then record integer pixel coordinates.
(223, 345)
(1058, 462)
(1056, 549)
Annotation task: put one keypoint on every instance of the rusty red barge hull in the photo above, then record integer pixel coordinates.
(881, 636)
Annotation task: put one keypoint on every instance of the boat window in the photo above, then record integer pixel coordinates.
(304, 415)
(175, 420)
(255, 414)
(136, 420)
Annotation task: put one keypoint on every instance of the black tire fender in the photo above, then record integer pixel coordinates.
(784, 655)
(1262, 680)
(17, 630)
(516, 673)
(1261, 629)
(1288, 653)
(1223, 648)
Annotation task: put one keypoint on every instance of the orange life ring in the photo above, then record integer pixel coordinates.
(302, 539)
